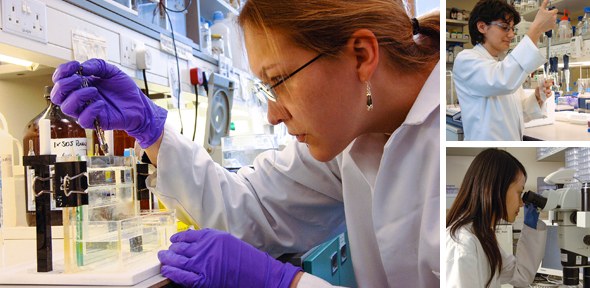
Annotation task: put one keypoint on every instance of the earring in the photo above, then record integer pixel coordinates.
(369, 99)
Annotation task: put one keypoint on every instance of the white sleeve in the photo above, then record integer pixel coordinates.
(311, 281)
(487, 77)
(530, 107)
(520, 270)
(286, 194)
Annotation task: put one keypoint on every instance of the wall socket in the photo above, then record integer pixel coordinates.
(26, 18)
(128, 52)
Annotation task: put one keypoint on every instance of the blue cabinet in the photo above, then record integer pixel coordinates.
(331, 261)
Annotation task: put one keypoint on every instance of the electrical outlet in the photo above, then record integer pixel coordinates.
(27, 18)
(128, 52)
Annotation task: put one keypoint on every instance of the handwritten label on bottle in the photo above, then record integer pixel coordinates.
(68, 148)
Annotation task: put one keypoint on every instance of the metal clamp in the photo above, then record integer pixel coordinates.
(37, 178)
(65, 185)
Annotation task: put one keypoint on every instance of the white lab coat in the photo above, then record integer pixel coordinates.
(468, 267)
(385, 191)
(493, 103)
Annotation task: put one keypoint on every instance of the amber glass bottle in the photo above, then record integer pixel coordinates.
(68, 142)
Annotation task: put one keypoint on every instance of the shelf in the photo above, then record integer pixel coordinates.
(457, 40)
(574, 7)
(556, 155)
(210, 6)
(458, 23)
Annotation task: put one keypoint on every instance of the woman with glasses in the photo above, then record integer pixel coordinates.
(489, 82)
(357, 84)
(490, 193)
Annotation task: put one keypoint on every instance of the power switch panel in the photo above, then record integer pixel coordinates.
(128, 53)
(26, 18)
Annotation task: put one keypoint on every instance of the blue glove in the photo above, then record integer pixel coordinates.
(212, 258)
(111, 97)
(531, 215)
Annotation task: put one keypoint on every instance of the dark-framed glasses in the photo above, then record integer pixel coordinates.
(504, 26)
(266, 91)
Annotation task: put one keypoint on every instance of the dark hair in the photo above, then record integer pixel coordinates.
(488, 11)
(482, 200)
(326, 25)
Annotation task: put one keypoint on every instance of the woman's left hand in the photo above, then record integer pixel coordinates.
(545, 89)
(212, 258)
(531, 215)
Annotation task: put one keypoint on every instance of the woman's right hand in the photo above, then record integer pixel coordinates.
(544, 21)
(110, 96)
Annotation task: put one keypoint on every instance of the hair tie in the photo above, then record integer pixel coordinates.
(415, 26)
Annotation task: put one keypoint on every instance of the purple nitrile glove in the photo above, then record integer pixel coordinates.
(111, 97)
(212, 258)
(531, 215)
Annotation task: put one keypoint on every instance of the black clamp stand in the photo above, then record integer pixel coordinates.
(69, 191)
(143, 193)
(42, 191)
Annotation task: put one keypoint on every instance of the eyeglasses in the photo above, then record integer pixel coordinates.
(266, 91)
(504, 26)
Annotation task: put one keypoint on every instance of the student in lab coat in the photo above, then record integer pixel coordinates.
(491, 191)
(357, 84)
(489, 82)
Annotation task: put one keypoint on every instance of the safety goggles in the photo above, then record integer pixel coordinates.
(266, 91)
(504, 26)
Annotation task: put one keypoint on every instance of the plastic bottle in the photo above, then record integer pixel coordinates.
(205, 37)
(585, 22)
(219, 27)
(579, 26)
(217, 45)
(565, 28)
(68, 142)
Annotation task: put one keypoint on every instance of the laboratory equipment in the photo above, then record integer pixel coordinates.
(569, 209)
(531, 197)
(102, 143)
(239, 151)
(103, 224)
(551, 263)
(68, 142)
(220, 95)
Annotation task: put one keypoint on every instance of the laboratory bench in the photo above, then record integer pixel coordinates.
(17, 249)
(558, 131)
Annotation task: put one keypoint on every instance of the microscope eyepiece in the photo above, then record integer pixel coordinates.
(534, 198)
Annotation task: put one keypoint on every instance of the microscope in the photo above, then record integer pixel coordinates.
(569, 209)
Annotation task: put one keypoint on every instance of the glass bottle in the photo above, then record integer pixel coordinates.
(68, 142)
(122, 141)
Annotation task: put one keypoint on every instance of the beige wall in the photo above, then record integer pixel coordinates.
(20, 100)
